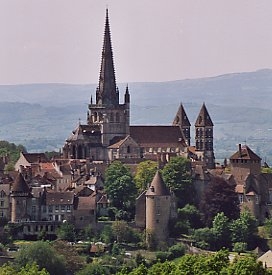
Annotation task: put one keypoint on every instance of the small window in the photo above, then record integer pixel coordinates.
(257, 199)
(241, 198)
(50, 208)
(33, 208)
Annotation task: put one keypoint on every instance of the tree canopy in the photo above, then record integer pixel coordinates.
(177, 175)
(120, 186)
(44, 255)
(212, 264)
(145, 173)
(219, 196)
(11, 151)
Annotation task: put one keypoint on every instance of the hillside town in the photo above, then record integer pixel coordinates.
(43, 193)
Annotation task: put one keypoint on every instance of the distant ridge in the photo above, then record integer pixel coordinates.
(42, 116)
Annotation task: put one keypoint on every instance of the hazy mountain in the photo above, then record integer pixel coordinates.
(42, 116)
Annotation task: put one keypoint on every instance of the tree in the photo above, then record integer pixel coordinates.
(246, 266)
(221, 231)
(107, 234)
(244, 229)
(211, 264)
(119, 229)
(66, 232)
(73, 261)
(29, 269)
(204, 238)
(219, 196)
(268, 227)
(11, 151)
(145, 173)
(188, 218)
(177, 175)
(94, 269)
(44, 255)
(120, 186)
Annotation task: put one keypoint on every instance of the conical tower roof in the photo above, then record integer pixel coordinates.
(181, 118)
(203, 118)
(157, 187)
(20, 185)
(107, 93)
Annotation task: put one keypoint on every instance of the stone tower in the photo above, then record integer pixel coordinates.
(183, 122)
(107, 113)
(158, 203)
(245, 162)
(20, 193)
(204, 138)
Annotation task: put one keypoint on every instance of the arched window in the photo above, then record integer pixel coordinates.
(95, 116)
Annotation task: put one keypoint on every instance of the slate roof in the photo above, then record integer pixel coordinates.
(5, 188)
(35, 157)
(59, 198)
(181, 118)
(157, 136)
(245, 153)
(86, 132)
(20, 185)
(157, 187)
(103, 199)
(203, 118)
(118, 144)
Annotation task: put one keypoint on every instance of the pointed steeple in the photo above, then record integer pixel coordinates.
(181, 118)
(20, 185)
(107, 92)
(183, 122)
(127, 96)
(203, 118)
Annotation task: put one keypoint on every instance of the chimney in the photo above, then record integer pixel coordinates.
(240, 150)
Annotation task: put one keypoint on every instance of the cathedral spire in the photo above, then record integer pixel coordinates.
(183, 122)
(203, 118)
(107, 92)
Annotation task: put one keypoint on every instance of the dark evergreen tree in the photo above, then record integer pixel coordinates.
(219, 196)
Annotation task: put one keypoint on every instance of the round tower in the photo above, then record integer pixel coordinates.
(158, 201)
(20, 193)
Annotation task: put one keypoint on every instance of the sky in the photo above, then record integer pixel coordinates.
(60, 41)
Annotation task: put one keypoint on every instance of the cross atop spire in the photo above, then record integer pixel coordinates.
(107, 92)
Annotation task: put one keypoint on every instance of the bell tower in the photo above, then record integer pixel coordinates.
(204, 138)
(183, 122)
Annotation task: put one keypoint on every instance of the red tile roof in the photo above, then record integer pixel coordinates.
(245, 153)
(85, 203)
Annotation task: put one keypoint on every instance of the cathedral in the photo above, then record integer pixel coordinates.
(108, 135)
